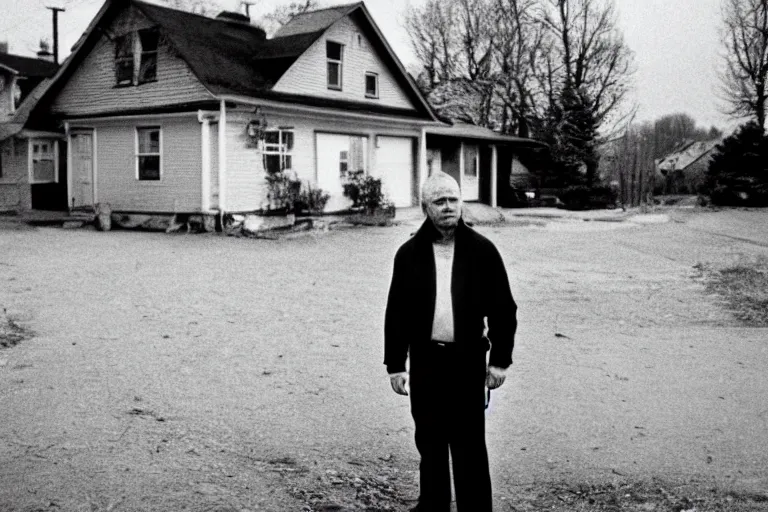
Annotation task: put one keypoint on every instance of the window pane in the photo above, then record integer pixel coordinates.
(124, 46)
(148, 69)
(272, 137)
(333, 74)
(272, 163)
(371, 86)
(288, 140)
(124, 71)
(333, 50)
(148, 39)
(43, 170)
(287, 162)
(149, 167)
(149, 140)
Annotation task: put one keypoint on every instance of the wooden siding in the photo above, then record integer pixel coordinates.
(308, 75)
(91, 88)
(180, 186)
(15, 191)
(249, 164)
(246, 187)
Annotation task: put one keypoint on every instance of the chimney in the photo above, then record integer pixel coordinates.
(3, 46)
(234, 17)
(45, 52)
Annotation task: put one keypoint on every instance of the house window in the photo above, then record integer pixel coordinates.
(334, 53)
(124, 59)
(136, 57)
(371, 85)
(353, 160)
(148, 153)
(43, 161)
(148, 64)
(278, 150)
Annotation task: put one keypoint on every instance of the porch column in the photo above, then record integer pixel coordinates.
(461, 167)
(494, 175)
(222, 157)
(205, 141)
(421, 170)
(69, 165)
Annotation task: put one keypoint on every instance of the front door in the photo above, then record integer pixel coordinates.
(338, 157)
(82, 169)
(470, 182)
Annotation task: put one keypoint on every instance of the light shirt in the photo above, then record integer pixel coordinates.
(442, 324)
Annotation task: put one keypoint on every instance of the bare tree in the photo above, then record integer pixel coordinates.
(745, 38)
(590, 52)
(435, 40)
(519, 45)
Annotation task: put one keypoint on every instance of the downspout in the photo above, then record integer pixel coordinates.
(222, 160)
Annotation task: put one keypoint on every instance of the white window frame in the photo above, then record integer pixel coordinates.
(280, 149)
(53, 155)
(138, 155)
(375, 76)
(339, 62)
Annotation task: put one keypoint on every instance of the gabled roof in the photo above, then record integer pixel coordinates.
(314, 21)
(231, 58)
(28, 66)
(690, 153)
(16, 123)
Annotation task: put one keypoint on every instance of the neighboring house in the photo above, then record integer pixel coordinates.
(28, 159)
(165, 111)
(684, 171)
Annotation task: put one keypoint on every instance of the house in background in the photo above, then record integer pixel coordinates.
(28, 159)
(684, 171)
(167, 112)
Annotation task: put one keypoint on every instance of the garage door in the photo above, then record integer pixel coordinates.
(394, 165)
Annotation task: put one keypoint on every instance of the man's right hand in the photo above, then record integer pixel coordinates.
(398, 382)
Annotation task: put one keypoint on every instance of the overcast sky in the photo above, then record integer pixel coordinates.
(676, 44)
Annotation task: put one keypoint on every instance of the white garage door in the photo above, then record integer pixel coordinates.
(394, 165)
(337, 156)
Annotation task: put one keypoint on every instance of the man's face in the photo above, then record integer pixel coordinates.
(444, 207)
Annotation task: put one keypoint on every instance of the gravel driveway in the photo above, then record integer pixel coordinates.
(200, 372)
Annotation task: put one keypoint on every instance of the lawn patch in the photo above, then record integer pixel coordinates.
(744, 287)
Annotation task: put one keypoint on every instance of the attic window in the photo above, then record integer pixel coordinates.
(371, 85)
(148, 65)
(334, 53)
(136, 57)
(124, 59)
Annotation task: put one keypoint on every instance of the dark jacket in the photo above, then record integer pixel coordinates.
(479, 288)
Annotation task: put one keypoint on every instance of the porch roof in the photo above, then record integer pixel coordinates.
(470, 131)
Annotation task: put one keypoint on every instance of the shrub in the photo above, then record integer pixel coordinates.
(365, 192)
(282, 192)
(311, 199)
(582, 197)
(738, 173)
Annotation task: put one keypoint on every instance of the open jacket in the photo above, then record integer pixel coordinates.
(479, 289)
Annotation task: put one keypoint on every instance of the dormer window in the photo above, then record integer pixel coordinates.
(136, 57)
(371, 85)
(334, 53)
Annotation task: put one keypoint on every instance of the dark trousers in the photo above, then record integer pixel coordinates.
(447, 388)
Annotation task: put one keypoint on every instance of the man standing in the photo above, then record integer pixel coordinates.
(448, 281)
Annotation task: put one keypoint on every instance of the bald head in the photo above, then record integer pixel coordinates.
(441, 200)
(438, 184)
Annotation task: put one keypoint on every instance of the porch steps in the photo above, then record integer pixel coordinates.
(53, 218)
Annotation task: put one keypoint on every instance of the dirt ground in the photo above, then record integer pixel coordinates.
(199, 372)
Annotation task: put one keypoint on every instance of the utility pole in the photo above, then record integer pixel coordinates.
(248, 4)
(55, 11)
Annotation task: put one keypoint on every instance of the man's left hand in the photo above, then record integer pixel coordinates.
(495, 377)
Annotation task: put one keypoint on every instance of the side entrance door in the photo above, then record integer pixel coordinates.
(82, 169)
